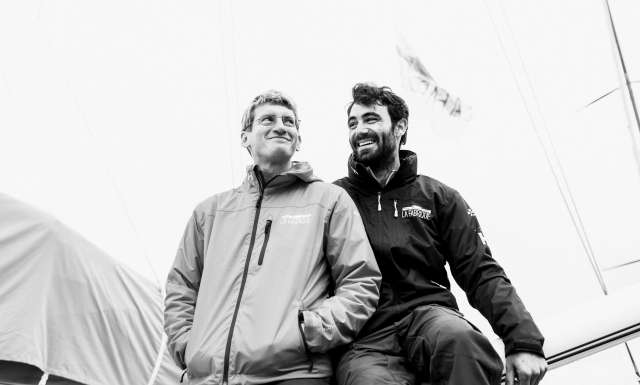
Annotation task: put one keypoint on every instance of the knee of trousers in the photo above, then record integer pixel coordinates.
(467, 344)
(456, 339)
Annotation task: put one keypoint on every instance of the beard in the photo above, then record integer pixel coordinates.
(381, 156)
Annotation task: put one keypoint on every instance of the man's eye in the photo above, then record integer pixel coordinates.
(371, 120)
(352, 124)
(288, 121)
(266, 119)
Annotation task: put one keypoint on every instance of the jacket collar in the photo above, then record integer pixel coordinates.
(299, 171)
(362, 175)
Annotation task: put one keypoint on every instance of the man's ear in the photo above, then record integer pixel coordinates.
(244, 139)
(401, 128)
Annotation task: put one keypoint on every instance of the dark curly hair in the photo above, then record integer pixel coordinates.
(368, 94)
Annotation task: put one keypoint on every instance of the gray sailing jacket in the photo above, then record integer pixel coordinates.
(267, 278)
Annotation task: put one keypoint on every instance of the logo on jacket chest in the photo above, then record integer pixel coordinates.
(299, 219)
(415, 211)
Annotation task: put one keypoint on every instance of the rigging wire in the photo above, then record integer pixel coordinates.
(234, 56)
(227, 88)
(548, 147)
(625, 76)
(633, 362)
(114, 185)
(621, 265)
(559, 175)
(102, 158)
(625, 83)
(606, 94)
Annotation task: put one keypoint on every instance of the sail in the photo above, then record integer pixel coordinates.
(71, 311)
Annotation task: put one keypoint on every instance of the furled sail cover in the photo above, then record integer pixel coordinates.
(71, 310)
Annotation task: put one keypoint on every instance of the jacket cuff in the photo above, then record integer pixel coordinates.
(531, 346)
(312, 324)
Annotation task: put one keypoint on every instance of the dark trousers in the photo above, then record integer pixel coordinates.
(433, 345)
(303, 381)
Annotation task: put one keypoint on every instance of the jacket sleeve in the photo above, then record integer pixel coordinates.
(354, 270)
(484, 281)
(182, 291)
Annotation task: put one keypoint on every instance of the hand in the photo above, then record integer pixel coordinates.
(525, 368)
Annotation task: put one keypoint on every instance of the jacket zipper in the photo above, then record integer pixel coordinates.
(225, 373)
(379, 205)
(267, 231)
(395, 208)
(437, 284)
(304, 340)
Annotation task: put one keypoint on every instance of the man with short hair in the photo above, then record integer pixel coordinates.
(416, 225)
(249, 298)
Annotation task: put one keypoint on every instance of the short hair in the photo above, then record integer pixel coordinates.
(268, 97)
(368, 94)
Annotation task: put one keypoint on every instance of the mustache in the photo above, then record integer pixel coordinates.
(372, 137)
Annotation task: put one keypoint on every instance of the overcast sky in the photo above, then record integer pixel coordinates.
(119, 117)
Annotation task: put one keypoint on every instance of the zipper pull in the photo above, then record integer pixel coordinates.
(379, 205)
(395, 208)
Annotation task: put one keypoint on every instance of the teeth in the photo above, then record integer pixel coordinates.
(365, 142)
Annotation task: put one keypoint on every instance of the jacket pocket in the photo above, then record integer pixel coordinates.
(200, 365)
(267, 231)
(304, 340)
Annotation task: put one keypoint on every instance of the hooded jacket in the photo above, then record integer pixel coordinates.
(249, 298)
(416, 225)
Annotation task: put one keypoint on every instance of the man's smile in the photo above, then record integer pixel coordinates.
(279, 138)
(365, 143)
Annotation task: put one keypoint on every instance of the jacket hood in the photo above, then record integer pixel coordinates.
(299, 171)
(362, 174)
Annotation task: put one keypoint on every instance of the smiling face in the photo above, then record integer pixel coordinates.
(273, 137)
(374, 141)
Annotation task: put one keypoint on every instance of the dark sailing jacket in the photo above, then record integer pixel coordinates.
(416, 225)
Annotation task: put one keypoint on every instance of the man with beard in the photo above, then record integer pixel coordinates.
(416, 225)
(272, 274)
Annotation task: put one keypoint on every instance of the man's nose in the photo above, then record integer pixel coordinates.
(279, 128)
(361, 128)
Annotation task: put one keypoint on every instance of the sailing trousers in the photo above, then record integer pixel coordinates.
(433, 345)
(303, 381)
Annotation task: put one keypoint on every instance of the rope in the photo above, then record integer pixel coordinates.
(158, 364)
(44, 378)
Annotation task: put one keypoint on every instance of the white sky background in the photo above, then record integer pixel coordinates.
(119, 117)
